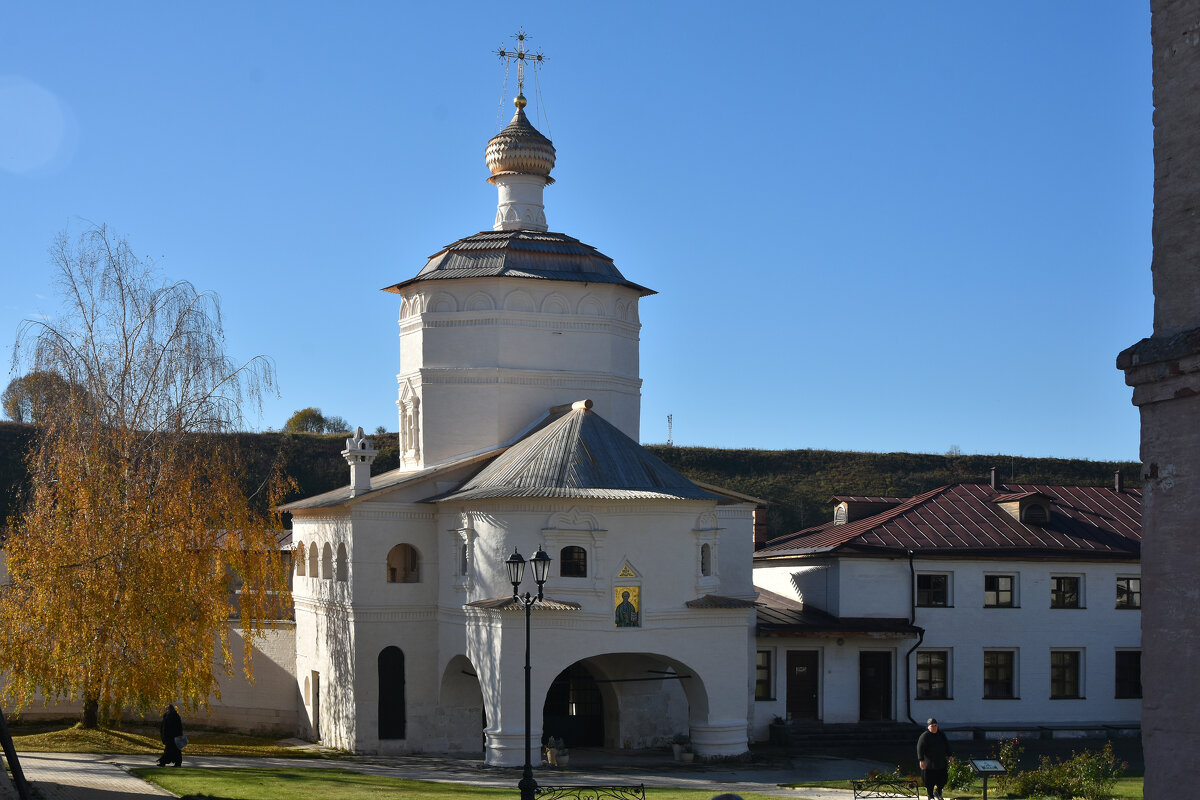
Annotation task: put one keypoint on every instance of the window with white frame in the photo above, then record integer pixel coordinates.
(764, 682)
(999, 674)
(1066, 591)
(1128, 674)
(1129, 592)
(933, 674)
(1066, 674)
(999, 591)
(933, 589)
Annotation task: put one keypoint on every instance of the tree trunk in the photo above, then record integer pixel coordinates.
(91, 713)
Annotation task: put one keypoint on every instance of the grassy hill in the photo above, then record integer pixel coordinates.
(797, 483)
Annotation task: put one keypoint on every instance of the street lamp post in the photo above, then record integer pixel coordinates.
(516, 572)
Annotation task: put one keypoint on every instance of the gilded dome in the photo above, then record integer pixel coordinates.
(520, 149)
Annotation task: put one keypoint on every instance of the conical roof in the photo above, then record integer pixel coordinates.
(520, 149)
(578, 454)
(539, 255)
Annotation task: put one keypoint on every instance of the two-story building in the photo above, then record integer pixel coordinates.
(987, 606)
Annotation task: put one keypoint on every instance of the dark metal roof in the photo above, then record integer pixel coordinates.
(521, 254)
(577, 453)
(966, 519)
(512, 604)
(774, 621)
(853, 498)
(379, 483)
(718, 601)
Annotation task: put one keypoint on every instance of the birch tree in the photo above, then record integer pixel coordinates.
(123, 560)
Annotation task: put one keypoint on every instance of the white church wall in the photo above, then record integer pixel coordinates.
(525, 348)
(658, 542)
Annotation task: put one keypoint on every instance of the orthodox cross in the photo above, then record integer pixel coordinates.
(520, 55)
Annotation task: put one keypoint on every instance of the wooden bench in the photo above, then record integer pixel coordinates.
(591, 792)
(886, 786)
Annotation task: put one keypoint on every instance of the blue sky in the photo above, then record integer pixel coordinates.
(873, 225)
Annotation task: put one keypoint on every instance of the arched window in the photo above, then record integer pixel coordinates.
(464, 558)
(403, 564)
(391, 693)
(312, 560)
(705, 560)
(300, 559)
(572, 562)
(307, 692)
(327, 561)
(343, 563)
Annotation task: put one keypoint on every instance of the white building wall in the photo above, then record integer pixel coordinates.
(488, 357)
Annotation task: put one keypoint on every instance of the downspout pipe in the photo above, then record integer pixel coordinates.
(912, 618)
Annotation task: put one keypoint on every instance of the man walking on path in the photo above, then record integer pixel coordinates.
(933, 753)
(172, 727)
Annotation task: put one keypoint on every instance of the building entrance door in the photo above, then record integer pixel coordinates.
(874, 686)
(803, 683)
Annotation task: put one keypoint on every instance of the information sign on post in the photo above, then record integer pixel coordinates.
(986, 767)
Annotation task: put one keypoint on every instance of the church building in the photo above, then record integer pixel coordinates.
(519, 403)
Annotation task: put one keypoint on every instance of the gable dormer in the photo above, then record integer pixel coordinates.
(1030, 508)
(847, 508)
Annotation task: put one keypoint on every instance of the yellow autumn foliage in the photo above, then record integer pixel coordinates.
(136, 545)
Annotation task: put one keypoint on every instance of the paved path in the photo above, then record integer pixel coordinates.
(73, 776)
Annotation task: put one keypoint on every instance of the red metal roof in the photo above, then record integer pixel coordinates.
(854, 498)
(965, 519)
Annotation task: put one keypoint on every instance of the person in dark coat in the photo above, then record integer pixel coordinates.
(172, 726)
(933, 753)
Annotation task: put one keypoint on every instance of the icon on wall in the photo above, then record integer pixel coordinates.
(627, 600)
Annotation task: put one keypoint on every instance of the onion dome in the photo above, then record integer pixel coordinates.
(520, 149)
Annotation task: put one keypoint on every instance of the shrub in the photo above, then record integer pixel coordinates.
(1008, 752)
(1086, 775)
(960, 775)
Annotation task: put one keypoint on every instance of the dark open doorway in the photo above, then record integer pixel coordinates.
(574, 711)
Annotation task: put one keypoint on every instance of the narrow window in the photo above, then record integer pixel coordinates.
(932, 675)
(463, 558)
(300, 559)
(998, 591)
(572, 562)
(327, 561)
(998, 674)
(343, 563)
(1129, 674)
(705, 560)
(763, 684)
(392, 721)
(1129, 593)
(312, 560)
(933, 591)
(403, 564)
(1064, 592)
(1064, 674)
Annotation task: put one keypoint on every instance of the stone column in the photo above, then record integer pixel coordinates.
(1165, 373)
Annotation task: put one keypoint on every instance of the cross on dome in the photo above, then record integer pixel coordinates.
(520, 56)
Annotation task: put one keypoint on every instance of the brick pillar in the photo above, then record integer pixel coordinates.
(1165, 373)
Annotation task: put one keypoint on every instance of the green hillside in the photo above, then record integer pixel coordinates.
(797, 483)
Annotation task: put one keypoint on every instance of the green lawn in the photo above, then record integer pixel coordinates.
(341, 784)
(1126, 789)
(141, 740)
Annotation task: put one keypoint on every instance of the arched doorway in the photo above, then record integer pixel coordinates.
(392, 716)
(574, 709)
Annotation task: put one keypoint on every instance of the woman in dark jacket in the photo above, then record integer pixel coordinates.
(172, 726)
(933, 753)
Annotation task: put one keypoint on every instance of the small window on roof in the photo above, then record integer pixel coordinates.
(1036, 514)
(839, 514)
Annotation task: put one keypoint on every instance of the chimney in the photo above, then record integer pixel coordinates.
(359, 454)
(992, 482)
(761, 531)
(1119, 482)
